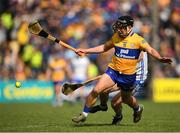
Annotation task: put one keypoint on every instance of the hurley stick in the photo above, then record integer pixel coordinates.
(35, 28)
(68, 88)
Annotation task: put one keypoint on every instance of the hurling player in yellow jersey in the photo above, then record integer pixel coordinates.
(122, 69)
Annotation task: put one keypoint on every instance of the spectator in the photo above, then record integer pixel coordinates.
(86, 25)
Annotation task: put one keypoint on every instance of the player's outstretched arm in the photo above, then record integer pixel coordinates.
(156, 55)
(95, 50)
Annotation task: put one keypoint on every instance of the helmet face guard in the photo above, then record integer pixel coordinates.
(114, 28)
(122, 23)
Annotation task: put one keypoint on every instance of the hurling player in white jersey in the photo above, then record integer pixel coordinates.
(141, 76)
(141, 72)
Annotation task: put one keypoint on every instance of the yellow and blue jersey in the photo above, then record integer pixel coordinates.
(127, 52)
(58, 70)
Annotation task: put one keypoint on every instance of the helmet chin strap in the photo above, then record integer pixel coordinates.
(129, 33)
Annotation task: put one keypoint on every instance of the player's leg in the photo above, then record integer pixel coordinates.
(103, 100)
(58, 100)
(104, 83)
(116, 104)
(130, 100)
(103, 103)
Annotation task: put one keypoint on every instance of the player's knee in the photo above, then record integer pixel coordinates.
(95, 92)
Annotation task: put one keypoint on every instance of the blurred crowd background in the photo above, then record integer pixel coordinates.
(80, 23)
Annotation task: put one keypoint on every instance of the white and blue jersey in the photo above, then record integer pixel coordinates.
(141, 71)
(142, 68)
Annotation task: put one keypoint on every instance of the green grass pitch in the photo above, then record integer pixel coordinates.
(21, 117)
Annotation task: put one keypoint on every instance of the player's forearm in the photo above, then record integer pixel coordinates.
(155, 54)
(98, 49)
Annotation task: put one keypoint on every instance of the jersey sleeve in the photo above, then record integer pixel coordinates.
(143, 44)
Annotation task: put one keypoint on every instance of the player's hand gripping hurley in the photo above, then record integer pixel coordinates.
(36, 29)
(68, 88)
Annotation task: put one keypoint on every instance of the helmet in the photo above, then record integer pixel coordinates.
(125, 21)
(122, 22)
(114, 27)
